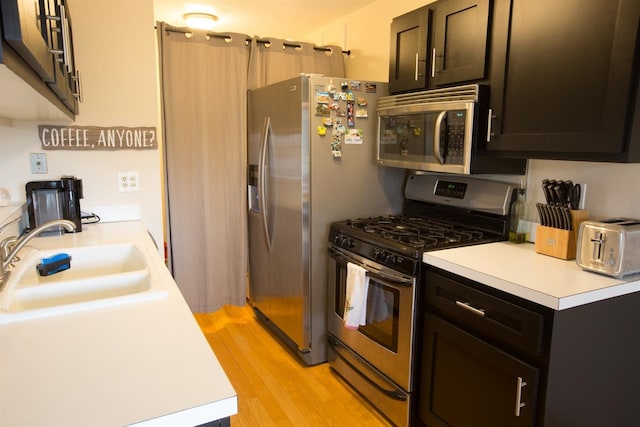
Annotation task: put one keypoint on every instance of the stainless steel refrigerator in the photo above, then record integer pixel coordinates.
(311, 155)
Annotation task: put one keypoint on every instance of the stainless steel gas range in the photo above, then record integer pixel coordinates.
(440, 211)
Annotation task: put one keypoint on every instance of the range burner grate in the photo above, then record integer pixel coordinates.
(418, 233)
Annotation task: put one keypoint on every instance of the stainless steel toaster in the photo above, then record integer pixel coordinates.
(610, 246)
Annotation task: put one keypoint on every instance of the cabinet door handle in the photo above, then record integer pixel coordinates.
(489, 123)
(479, 311)
(433, 63)
(64, 26)
(417, 61)
(519, 404)
(58, 53)
(78, 81)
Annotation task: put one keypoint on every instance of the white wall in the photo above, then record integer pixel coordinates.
(115, 52)
(366, 32)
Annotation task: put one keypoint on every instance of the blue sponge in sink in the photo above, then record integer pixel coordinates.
(54, 264)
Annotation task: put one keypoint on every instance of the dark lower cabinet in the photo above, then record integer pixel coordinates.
(486, 361)
(224, 422)
(467, 382)
(564, 79)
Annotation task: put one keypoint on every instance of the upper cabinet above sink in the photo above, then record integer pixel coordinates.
(25, 30)
(38, 77)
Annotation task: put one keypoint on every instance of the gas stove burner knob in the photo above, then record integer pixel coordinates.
(382, 256)
(344, 242)
(390, 259)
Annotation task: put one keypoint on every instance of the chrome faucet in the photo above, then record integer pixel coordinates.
(10, 246)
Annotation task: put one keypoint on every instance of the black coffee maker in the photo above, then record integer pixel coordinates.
(51, 200)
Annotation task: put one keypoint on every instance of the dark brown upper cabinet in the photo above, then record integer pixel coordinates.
(460, 37)
(408, 54)
(441, 44)
(38, 57)
(564, 80)
(24, 26)
(66, 83)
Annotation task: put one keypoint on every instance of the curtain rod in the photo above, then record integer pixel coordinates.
(261, 41)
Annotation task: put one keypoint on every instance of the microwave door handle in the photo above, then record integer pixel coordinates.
(436, 137)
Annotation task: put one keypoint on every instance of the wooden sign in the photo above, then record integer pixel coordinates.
(97, 138)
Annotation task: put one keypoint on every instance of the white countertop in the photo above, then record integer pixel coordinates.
(143, 362)
(519, 270)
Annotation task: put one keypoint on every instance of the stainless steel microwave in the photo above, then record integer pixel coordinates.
(439, 130)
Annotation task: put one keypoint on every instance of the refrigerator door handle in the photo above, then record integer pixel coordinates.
(262, 180)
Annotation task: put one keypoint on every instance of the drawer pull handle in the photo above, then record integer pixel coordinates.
(469, 307)
(519, 403)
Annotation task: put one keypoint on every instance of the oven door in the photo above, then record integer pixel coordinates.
(386, 341)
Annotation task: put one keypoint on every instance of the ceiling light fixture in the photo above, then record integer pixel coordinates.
(202, 20)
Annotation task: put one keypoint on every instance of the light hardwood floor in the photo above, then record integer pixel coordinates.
(274, 388)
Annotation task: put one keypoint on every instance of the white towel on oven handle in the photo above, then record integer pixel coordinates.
(355, 302)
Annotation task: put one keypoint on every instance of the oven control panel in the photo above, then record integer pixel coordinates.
(385, 257)
(392, 260)
(375, 253)
(343, 241)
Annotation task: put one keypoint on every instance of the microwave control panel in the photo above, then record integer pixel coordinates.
(455, 136)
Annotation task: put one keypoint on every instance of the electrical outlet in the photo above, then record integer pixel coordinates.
(128, 181)
(38, 162)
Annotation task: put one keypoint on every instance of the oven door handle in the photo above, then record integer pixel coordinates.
(396, 394)
(396, 279)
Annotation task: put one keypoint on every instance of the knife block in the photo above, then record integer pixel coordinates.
(560, 243)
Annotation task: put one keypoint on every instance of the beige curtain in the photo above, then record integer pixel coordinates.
(205, 77)
(273, 60)
(204, 83)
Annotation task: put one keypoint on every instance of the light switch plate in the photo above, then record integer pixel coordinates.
(38, 162)
(128, 181)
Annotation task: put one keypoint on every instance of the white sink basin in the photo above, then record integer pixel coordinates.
(77, 291)
(86, 262)
(98, 276)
